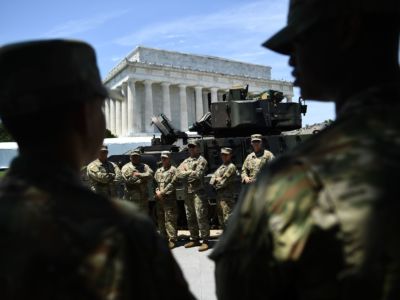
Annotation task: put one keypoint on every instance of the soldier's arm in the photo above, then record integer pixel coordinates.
(182, 171)
(170, 187)
(213, 177)
(118, 174)
(147, 174)
(129, 178)
(271, 157)
(95, 174)
(245, 169)
(229, 173)
(198, 173)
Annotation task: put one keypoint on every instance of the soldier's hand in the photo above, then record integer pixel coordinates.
(159, 195)
(136, 174)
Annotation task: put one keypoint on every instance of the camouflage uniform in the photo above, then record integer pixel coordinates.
(167, 211)
(192, 170)
(223, 181)
(322, 222)
(70, 243)
(136, 189)
(254, 162)
(104, 177)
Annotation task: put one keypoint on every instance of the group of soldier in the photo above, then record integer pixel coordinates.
(107, 179)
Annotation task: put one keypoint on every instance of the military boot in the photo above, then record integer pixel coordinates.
(204, 246)
(192, 244)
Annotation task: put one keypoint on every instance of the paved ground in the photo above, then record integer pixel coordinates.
(197, 267)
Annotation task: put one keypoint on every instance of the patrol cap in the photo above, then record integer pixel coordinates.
(226, 150)
(136, 153)
(193, 142)
(104, 148)
(303, 14)
(41, 75)
(165, 154)
(256, 137)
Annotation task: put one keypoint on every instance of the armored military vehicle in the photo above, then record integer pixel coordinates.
(229, 123)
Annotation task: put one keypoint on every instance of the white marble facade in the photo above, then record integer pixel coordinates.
(153, 81)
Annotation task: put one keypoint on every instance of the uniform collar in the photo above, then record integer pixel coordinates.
(377, 97)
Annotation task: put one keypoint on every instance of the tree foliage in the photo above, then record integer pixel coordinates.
(4, 135)
(109, 134)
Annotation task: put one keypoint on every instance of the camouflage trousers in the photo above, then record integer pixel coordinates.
(224, 209)
(197, 216)
(109, 191)
(167, 216)
(139, 199)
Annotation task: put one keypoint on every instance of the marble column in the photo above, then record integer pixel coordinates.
(166, 100)
(118, 119)
(107, 112)
(124, 110)
(112, 116)
(134, 113)
(148, 106)
(214, 94)
(184, 108)
(199, 102)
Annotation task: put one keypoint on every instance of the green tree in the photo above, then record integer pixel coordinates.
(4, 135)
(109, 134)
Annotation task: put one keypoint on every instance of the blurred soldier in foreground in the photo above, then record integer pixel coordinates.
(323, 221)
(255, 160)
(192, 170)
(104, 175)
(136, 176)
(59, 240)
(223, 182)
(167, 211)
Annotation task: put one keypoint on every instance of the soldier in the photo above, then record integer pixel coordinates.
(322, 222)
(223, 181)
(136, 176)
(167, 211)
(255, 160)
(59, 240)
(191, 171)
(104, 176)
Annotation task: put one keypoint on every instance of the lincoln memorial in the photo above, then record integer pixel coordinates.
(150, 81)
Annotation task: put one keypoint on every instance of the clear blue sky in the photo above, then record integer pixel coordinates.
(232, 29)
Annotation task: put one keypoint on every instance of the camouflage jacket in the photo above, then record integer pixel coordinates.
(323, 221)
(103, 176)
(253, 164)
(139, 181)
(223, 180)
(165, 179)
(59, 240)
(193, 169)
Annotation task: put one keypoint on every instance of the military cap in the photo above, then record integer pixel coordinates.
(194, 142)
(256, 137)
(136, 153)
(303, 14)
(226, 150)
(104, 148)
(165, 154)
(41, 75)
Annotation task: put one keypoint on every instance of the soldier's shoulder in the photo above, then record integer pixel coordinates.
(202, 159)
(93, 164)
(127, 165)
(232, 166)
